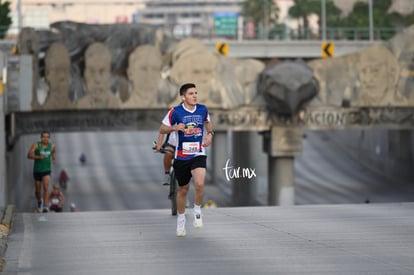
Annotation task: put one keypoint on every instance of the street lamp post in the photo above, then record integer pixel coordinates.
(371, 22)
(266, 19)
(19, 15)
(323, 19)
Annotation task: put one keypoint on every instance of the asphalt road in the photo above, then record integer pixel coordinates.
(123, 173)
(124, 226)
(312, 239)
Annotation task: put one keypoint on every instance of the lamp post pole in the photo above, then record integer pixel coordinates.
(371, 22)
(19, 15)
(323, 19)
(266, 19)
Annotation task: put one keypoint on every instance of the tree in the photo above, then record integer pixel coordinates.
(261, 12)
(302, 9)
(333, 15)
(5, 19)
(359, 18)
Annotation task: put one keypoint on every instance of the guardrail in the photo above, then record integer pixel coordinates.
(286, 33)
(276, 33)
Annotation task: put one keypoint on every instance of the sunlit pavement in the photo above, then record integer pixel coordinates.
(318, 239)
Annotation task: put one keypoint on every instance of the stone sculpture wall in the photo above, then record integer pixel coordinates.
(380, 75)
(138, 66)
(97, 77)
(86, 76)
(58, 77)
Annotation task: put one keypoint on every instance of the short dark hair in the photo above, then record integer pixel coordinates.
(44, 132)
(185, 87)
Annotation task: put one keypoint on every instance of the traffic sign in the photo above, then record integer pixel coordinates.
(327, 49)
(222, 48)
(225, 23)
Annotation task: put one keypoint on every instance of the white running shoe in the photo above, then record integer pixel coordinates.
(181, 228)
(166, 180)
(40, 206)
(198, 221)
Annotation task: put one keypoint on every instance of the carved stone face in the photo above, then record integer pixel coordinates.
(57, 69)
(373, 77)
(377, 73)
(196, 68)
(144, 69)
(97, 69)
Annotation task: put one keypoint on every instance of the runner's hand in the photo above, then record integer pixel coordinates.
(207, 140)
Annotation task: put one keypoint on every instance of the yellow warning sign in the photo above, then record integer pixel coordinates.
(328, 49)
(222, 48)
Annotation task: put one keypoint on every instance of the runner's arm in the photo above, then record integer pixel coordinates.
(160, 141)
(53, 154)
(165, 129)
(208, 138)
(31, 153)
(209, 127)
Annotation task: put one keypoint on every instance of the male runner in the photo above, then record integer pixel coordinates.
(44, 154)
(188, 120)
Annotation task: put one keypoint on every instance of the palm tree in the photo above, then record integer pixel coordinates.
(302, 9)
(261, 12)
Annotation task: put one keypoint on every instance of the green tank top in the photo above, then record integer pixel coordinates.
(43, 165)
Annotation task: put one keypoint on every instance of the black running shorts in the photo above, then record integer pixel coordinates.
(39, 176)
(183, 168)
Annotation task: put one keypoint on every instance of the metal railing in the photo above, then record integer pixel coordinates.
(285, 33)
(276, 33)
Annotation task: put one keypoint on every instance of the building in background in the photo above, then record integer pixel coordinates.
(202, 18)
(198, 18)
(41, 13)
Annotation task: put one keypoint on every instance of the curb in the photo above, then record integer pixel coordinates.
(5, 227)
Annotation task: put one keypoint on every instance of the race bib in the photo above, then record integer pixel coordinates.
(55, 201)
(191, 148)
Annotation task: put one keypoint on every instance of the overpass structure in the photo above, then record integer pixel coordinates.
(307, 49)
(263, 49)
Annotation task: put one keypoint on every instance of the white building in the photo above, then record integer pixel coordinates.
(195, 18)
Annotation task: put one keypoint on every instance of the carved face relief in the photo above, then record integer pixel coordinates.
(97, 69)
(199, 69)
(144, 70)
(58, 76)
(373, 78)
(378, 73)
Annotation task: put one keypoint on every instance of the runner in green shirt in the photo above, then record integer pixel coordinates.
(43, 153)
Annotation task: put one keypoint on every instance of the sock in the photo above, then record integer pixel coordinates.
(197, 209)
(181, 217)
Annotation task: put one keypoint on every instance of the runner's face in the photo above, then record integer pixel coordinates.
(56, 189)
(190, 97)
(45, 138)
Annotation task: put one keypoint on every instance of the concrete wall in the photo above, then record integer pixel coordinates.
(386, 151)
(20, 182)
(3, 170)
